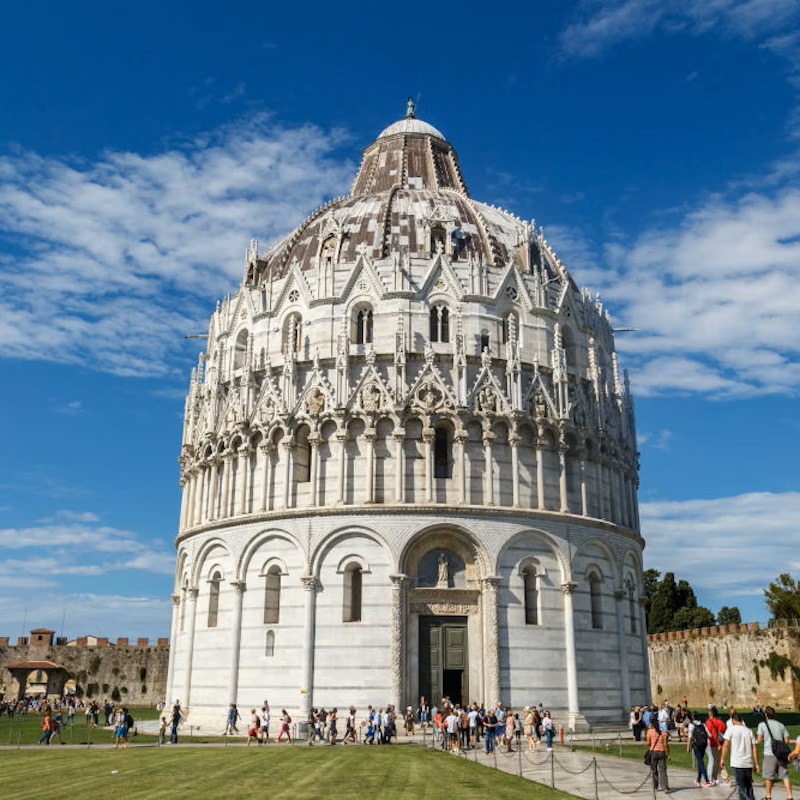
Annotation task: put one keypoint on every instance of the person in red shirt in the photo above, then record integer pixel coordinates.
(716, 731)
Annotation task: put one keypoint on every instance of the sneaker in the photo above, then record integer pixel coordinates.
(697, 783)
(708, 783)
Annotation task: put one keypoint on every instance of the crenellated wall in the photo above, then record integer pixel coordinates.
(138, 672)
(744, 663)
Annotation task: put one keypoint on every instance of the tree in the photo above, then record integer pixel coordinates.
(783, 597)
(692, 617)
(729, 616)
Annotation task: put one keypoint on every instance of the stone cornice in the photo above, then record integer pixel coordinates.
(429, 510)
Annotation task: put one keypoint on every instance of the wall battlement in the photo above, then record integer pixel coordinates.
(88, 641)
(698, 633)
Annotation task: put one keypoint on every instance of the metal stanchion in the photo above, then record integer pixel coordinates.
(596, 795)
(19, 736)
(519, 753)
(552, 770)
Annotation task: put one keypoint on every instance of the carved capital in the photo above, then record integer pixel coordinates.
(310, 583)
(514, 439)
(398, 581)
(569, 587)
(619, 594)
(492, 581)
(193, 593)
(176, 599)
(239, 586)
(428, 435)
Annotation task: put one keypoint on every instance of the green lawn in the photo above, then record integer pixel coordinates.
(147, 772)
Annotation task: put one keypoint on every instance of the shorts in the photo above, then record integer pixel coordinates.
(773, 770)
(121, 732)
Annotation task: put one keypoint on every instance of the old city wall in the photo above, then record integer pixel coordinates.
(744, 663)
(137, 671)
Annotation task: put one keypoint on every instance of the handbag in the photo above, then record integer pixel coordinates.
(648, 757)
(779, 748)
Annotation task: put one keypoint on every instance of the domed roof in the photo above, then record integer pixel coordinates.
(410, 125)
(409, 184)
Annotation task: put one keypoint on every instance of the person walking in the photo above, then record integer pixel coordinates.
(716, 732)
(658, 745)
(741, 745)
(769, 731)
(697, 742)
(286, 721)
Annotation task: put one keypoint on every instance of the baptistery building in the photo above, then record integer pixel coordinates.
(409, 466)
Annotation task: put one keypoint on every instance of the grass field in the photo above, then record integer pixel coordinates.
(215, 772)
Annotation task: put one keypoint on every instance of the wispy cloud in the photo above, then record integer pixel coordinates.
(601, 24)
(96, 253)
(686, 537)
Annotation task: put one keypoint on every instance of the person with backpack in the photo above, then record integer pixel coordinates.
(775, 758)
(697, 741)
(716, 733)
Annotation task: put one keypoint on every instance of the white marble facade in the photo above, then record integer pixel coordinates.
(411, 377)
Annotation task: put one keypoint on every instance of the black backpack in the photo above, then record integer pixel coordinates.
(700, 736)
(129, 722)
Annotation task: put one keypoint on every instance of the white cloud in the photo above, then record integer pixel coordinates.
(109, 263)
(602, 24)
(725, 547)
(714, 296)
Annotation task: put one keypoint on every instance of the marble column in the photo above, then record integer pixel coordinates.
(461, 461)
(184, 502)
(643, 639)
(397, 653)
(169, 694)
(427, 447)
(369, 435)
(187, 679)
(601, 489)
(491, 639)
(540, 475)
(311, 587)
(584, 502)
(341, 438)
(286, 447)
(488, 471)
(562, 476)
(569, 646)
(400, 466)
(514, 440)
(236, 643)
(620, 596)
(313, 440)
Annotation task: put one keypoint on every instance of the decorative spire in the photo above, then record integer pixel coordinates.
(410, 108)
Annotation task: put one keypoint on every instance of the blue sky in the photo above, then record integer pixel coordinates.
(658, 143)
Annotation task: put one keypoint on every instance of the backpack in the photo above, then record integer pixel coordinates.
(129, 722)
(700, 737)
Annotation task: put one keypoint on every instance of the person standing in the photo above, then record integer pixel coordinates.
(548, 729)
(741, 744)
(658, 745)
(175, 720)
(768, 731)
(121, 728)
(490, 727)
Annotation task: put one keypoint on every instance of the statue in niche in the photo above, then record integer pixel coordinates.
(371, 397)
(443, 578)
(315, 403)
(488, 401)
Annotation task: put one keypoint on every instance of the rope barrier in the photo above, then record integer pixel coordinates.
(624, 791)
(537, 763)
(569, 771)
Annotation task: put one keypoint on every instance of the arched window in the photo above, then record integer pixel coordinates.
(485, 342)
(351, 605)
(240, 349)
(442, 453)
(632, 610)
(440, 324)
(596, 601)
(213, 599)
(531, 580)
(269, 651)
(568, 343)
(272, 596)
(328, 252)
(364, 326)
